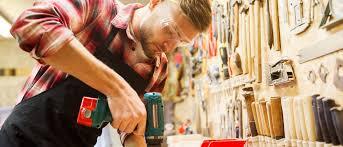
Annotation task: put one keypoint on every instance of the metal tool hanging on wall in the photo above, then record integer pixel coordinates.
(196, 63)
(268, 30)
(337, 116)
(323, 72)
(213, 32)
(329, 103)
(333, 14)
(235, 24)
(239, 118)
(200, 94)
(338, 74)
(235, 106)
(243, 15)
(311, 76)
(213, 73)
(223, 45)
(248, 94)
(281, 72)
(235, 62)
(319, 134)
(322, 121)
(300, 23)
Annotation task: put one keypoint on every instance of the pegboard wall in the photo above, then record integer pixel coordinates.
(290, 49)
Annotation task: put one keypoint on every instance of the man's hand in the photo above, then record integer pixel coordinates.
(135, 141)
(128, 111)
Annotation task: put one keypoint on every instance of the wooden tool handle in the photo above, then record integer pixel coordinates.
(247, 43)
(309, 118)
(291, 122)
(297, 119)
(236, 24)
(276, 26)
(264, 116)
(243, 43)
(251, 41)
(267, 22)
(302, 118)
(270, 120)
(286, 118)
(254, 106)
(248, 95)
(258, 58)
(278, 123)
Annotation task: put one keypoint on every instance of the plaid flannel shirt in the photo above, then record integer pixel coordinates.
(50, 24)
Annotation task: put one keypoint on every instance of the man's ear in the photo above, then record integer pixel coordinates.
(153, 3)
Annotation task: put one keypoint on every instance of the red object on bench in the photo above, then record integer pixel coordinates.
(224, 143)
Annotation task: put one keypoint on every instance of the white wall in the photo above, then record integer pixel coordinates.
(11, 56)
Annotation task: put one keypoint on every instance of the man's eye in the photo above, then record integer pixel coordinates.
(170, 33)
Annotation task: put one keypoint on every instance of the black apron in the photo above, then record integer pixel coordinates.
(49, 119)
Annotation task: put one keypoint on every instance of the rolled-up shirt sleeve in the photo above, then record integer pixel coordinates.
(47, 26)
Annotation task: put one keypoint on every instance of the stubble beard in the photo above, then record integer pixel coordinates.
(146, 44)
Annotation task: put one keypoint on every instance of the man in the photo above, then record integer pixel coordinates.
(62, 35)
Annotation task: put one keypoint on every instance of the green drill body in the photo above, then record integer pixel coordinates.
(155, 117)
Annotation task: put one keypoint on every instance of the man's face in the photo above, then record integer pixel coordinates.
(165, 29)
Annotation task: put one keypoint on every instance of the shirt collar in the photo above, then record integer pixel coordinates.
(124, 15)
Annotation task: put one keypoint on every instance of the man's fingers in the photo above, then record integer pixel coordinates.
(116, 121)
(128, 112)
(130, 127)
(123, 125)
(140, 128)
(115, 124)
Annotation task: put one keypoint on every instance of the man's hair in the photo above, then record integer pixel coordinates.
(198, 11)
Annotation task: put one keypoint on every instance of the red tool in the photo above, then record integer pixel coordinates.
(224, 143)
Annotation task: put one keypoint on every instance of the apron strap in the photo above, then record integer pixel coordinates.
(116, 63)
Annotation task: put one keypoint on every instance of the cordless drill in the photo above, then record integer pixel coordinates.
(94, 112)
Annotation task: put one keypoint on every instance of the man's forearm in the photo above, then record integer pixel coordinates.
(74, 59)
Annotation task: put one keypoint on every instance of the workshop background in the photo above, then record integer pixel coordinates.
(267, 71)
